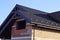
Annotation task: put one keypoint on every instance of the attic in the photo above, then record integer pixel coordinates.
(34, 17)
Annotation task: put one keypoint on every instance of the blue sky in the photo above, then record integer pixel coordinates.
(44, 5)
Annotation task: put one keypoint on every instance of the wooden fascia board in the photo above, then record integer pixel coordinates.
(7, 24)
(19, 19)
(46, 26)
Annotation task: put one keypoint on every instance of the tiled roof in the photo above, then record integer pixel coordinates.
(55, 16)
(38, 17)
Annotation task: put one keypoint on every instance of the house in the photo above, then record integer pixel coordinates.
(25, 23)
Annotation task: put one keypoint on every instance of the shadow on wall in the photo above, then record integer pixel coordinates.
(46, 29)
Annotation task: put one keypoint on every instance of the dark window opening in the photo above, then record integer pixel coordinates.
(21, 24)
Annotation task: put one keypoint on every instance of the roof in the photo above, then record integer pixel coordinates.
(42, 19)
(39, 17)
(55, 16)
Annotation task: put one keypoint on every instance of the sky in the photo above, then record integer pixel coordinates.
(44, 5)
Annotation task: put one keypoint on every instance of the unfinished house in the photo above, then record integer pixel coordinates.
(25, 23)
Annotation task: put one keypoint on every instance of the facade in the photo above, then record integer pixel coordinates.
(25, 23)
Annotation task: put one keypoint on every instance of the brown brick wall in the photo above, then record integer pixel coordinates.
(26, 31)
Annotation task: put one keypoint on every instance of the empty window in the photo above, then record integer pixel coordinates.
(21, 24)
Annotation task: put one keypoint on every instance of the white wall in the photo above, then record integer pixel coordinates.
(21, 38)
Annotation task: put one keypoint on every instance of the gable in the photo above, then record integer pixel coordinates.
(30, 15)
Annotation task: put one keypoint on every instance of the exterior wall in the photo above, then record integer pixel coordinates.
(25, 34)
(45, 34)
(32, 33)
